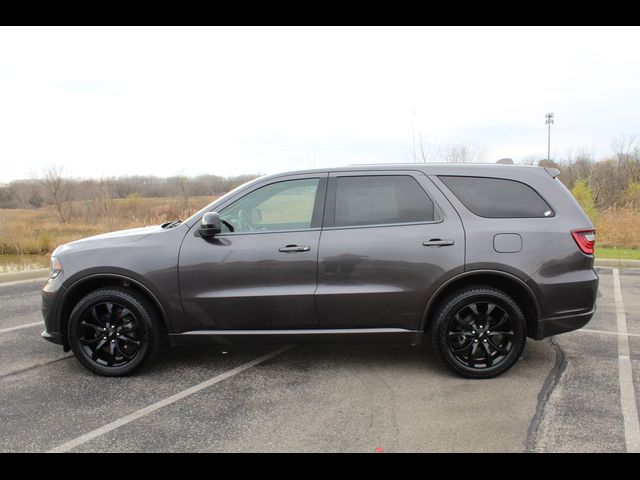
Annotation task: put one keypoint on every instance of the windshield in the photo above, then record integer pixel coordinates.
(196, 216)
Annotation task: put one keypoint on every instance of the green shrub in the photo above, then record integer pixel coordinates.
(583, 195)
(44, 243)
(632, 194)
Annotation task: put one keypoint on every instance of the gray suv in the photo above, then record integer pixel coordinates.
(474, 258)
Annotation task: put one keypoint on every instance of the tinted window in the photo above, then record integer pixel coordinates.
(378, 200)
(497, 197)
(280, 206)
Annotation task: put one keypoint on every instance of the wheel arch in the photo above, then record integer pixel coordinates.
(89, 283)
(508, 283)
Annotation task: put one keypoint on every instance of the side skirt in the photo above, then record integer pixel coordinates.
(285, 337)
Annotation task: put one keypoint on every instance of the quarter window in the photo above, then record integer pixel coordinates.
(497, 197)
(284, 205)
(376, 200)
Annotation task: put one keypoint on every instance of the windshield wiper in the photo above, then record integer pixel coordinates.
(171, 224)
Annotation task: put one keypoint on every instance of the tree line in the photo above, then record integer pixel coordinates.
(599, 185)
(54, 187)
(607, 184)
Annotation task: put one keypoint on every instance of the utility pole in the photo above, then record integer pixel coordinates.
(549, 121)
(413, 133)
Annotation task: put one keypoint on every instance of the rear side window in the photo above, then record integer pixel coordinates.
(377, 200)
(498, 197)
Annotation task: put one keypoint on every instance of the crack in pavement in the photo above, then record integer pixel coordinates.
(548, 387)
(32, 367)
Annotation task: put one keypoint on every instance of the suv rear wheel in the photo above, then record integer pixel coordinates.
(114, 331)
(479, 332)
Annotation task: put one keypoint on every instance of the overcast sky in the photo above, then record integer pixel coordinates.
(116, 101)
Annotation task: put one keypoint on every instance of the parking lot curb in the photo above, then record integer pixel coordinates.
(24, 275)
(617, 263)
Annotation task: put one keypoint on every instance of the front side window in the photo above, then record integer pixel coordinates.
(497, 197)
(379, 200)
(284, 205)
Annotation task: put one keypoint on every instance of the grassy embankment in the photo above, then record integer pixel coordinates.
(618, 253)
(618, 234)
(28, 236)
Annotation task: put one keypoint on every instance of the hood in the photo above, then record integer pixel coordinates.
(112, 238)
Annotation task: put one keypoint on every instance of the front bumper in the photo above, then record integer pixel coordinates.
(51, 295)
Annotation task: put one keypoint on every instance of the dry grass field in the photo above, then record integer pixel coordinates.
(619, 227)
(28, 236)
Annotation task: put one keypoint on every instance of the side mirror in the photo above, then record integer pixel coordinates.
(210, 224)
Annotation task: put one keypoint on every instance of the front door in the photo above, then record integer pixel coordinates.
(260, 273)
(384, 245)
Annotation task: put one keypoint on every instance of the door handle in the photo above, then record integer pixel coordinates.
(436, 242)
(294, 248)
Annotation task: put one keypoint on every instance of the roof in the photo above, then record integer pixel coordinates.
(471, 169)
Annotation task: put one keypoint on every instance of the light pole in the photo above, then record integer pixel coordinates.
(549, 121)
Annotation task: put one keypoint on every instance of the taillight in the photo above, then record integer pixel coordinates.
(586, 240)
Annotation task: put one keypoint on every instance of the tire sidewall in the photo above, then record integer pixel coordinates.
(458, 301)
(142, 316)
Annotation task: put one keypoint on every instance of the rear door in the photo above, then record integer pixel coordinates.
(389, 239)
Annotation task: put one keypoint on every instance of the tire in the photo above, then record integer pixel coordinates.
(466, 319)
(114, 331)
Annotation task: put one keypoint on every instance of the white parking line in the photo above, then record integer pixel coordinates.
(20, 327)
(588, 330)
(65, 447)
(22, 294)
(18, 282)
(625, 375)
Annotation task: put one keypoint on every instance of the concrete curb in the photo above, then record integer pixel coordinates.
(24, 275)
(617, 263)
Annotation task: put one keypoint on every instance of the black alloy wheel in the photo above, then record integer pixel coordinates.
(114, 331)
(479, 333)
(110, 334)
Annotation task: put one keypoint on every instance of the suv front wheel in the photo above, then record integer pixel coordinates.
(479, 332)
(114, 331)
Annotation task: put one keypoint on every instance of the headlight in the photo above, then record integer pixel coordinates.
(55, 267)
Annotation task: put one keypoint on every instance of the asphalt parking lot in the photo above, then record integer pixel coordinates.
(566, 394)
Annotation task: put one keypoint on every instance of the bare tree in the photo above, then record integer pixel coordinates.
(103, 201)
(626, 147)
(58, 190)
(426, 152)
(611, 181)
(462, 152)
(183, 182)
(548, 163)
(531, 160)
